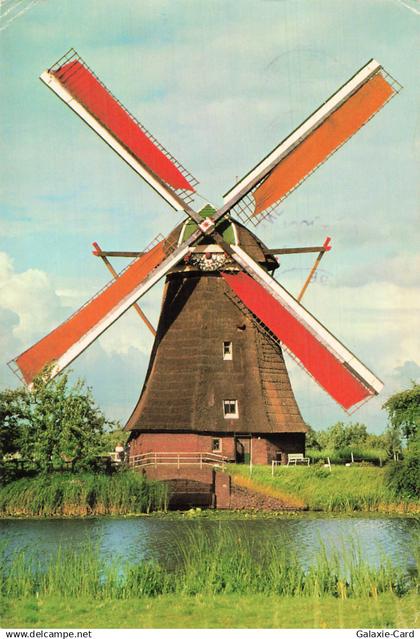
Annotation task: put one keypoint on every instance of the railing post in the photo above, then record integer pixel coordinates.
(272, 468)
(155, 460)
(178, 460)
(201, 460)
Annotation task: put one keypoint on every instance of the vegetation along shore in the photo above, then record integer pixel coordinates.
(208, 570)
(341, 489)
(82, 494)
(64, 494)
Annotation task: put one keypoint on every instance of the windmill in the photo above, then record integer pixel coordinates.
(217, 379)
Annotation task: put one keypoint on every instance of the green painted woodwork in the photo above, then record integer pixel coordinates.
(225, 226)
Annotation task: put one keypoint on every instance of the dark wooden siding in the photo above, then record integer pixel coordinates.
(188, 379)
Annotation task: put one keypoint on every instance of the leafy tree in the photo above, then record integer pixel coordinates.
(392, 440)
(342, 435)
(113, 437)
(403, 410)
(53, 423)
(322, 438)
(312, 439)
(10, 420)
(404, 476)
(376, 441)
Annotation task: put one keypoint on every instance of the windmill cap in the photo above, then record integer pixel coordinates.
(233, 232)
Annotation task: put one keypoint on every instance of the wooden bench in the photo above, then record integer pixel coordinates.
(297, 458)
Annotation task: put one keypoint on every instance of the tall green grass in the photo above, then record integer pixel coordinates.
(208, 564)
(343, 489)
(66, 494)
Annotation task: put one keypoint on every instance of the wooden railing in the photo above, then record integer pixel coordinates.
(177, 459)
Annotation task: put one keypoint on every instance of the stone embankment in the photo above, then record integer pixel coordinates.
(242, 498)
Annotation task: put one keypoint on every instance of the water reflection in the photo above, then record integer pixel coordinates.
(141, 538)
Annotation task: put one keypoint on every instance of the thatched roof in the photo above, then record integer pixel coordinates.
(188, 379)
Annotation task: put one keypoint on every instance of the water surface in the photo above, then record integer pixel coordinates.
(158, 537)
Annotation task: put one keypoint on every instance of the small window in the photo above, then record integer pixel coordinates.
(230, 408)
(227, 350)
(216, 445)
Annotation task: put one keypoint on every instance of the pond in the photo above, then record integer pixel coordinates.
(158, 537)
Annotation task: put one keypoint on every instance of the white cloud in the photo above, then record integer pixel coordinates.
(378, 318)
(37, 306)
(402, 270)
(130, 334)
(114, 366)
(409, 370)
(127, 334)
(31, 297)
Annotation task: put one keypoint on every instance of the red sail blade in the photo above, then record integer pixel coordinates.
(74, 82)
(297, 156)
(84, 86)
(69, 339)
(329, 371)
(322, 142)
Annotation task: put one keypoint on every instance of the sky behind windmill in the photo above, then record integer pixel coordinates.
(219, 83)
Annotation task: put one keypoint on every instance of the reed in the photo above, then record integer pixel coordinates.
(67, 494)
(207, 563)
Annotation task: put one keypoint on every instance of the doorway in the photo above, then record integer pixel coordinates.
(239, 452)
(243, 449)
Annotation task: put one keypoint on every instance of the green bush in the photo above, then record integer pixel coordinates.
(404, 476)
(53, 425)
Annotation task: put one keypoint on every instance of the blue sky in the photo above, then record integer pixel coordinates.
(219, 83)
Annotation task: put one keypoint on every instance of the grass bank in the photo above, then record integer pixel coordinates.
(219, 611)
(78, 495)
(344, 489)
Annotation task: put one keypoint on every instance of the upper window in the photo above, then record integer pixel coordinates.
(230, 408)
(227, 350)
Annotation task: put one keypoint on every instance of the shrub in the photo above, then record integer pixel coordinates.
(404, 477)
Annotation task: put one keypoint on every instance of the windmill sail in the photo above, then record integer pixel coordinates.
(68, 340)
(73, 81)
(298, 155)
(326, 359)
(335, 368)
